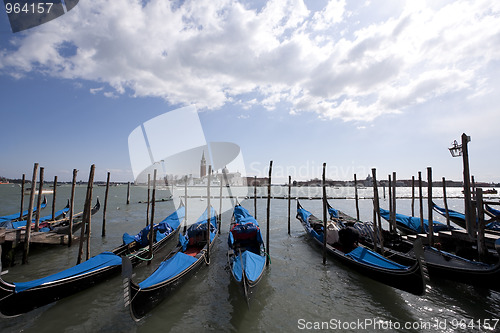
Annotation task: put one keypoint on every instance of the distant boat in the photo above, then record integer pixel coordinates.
(169, 198)
(489, 191)
(28, 191)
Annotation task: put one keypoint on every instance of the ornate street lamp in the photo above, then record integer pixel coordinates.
(455, 149)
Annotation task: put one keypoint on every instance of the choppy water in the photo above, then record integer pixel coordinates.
(297, 292)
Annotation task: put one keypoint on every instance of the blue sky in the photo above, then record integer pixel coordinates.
(353, 84)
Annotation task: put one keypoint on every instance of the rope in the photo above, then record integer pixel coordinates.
(268, 257)
(143, 259)
(205, 258)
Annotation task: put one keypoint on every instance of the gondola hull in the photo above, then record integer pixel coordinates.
(14, 303)
(145, 300)
(439, 264)
(142, 301)
(247, 254)
(168, 276)
(410, 280)
(246, 284)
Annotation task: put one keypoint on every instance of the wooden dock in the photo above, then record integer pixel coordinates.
(17, 237)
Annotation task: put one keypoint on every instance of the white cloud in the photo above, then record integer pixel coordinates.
(94, 91)
(346, 61)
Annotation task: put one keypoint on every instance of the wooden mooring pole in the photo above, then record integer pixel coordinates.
(39, 201)
(220, 203)
(446, 203)
(412, 196)
(30, 215)
(128, 193)
(324, 213)
(393, 228)
(469, 220)
(421, 202)
(185, 204)
(22, 196)
(149, 200)
(429, 206)
(72, 208)
(209, 212)
(255, 196)
(151, 222)
(377, 223)
(289, 200)
(356, 198)
(103, 232)
(85, 217)
(54, 194)
(481, 245)
(268, 212)
(89, 211)
(391, 211)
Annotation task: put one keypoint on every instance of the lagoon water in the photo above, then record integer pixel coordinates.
(297, 292)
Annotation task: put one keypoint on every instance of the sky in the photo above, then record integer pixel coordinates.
(354, 84)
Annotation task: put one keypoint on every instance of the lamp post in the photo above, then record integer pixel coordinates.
(461, 150)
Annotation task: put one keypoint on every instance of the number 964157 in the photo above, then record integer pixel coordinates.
(32, 8)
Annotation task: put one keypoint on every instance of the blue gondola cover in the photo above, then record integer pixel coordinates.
(413, 223)
(168, 269)
(369, 257)
(164, 228)
(102, 260)
(8, 218)
(252, 263)
(20, 224)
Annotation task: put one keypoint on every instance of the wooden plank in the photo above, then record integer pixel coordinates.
(36, 237)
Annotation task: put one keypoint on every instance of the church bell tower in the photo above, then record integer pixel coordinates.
(203, 166)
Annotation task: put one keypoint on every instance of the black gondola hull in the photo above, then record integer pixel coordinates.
(14, 304)
(142, 301)
(439, 264)
(410, 280)
(145, 300)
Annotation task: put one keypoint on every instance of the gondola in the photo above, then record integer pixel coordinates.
(411, 225)
(440, 264)
(43, 222)
(459, 218)
(247, 254)
(22, 297)
(178, 266)
(363, 260)
(61, 226)
(18, 216)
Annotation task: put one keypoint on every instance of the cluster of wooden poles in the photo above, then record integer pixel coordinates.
(476, 202)
(151, 208)
(86, 222)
